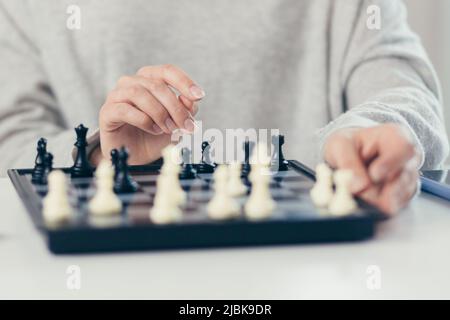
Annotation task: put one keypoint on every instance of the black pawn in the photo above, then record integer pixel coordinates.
(81, 167)
(48, 167)
(205, 166)
(39, 167)
(124, 183)
(246, 168)
(279, 163)
(115, 161)
(187, 169)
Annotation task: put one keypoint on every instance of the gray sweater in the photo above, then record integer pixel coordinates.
(306, 67)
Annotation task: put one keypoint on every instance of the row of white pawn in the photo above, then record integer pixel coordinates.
(105, 203)
(170, 196)
(338, 201)
(228, 186)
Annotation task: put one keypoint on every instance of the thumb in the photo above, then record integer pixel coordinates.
(341, 152)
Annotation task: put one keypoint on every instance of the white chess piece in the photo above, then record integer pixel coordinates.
(322, 192)
(260, 204)
(260, 155)
(56, 207)
(165, 208)
(169, 172)
(236, 187)
(222, 205)
(342, 202)
(171, 156)
(105, 202)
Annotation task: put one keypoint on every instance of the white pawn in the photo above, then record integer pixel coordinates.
(260, 155)
(222, 206)
(165, 208)
(260, 204)
(170, 175)
(342, 202)
(105, 202)
(322, 192)
(171, 156)
(169, 172)
(236, 187)
(56, 207)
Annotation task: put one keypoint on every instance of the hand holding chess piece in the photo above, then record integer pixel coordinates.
(384, 161)
(143, 111)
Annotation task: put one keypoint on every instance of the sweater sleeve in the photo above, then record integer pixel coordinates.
(386, 77)
(28, 107)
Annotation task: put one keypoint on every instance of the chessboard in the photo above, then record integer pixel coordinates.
(70, 193)
(295, 220)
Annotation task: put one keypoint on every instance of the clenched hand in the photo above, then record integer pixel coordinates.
(384, 161)
(144, 109)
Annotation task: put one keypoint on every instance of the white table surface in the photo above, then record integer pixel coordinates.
(411, 250)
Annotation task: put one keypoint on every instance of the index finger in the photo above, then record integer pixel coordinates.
(392, 157)
(176, 78)
(342, 153)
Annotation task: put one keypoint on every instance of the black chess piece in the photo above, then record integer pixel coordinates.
(206, 165)
(124, 183)
(39, 167)
(81, 167)
(187, 169)
(115, 161)
(246, 168)
(48, 167)
(279, 163)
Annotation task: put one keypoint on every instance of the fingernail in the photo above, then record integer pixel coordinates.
(195, 108)
(378, 174)
(197, 92)
(156, 129)
(170, 125)
(189, 125)
(358, 185)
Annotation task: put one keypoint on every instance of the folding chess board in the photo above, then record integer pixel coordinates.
(294, 221)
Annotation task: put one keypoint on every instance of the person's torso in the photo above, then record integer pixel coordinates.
(262, 63)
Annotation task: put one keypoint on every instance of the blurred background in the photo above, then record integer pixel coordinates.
(431, 20)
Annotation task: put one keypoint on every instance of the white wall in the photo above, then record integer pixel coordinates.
(431, 20)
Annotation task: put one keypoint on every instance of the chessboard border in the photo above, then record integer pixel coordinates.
(352, 228)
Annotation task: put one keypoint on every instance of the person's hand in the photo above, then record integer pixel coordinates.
(384, 162)
(143, 110)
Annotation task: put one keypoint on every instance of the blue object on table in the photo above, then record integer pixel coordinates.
(436, 182)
